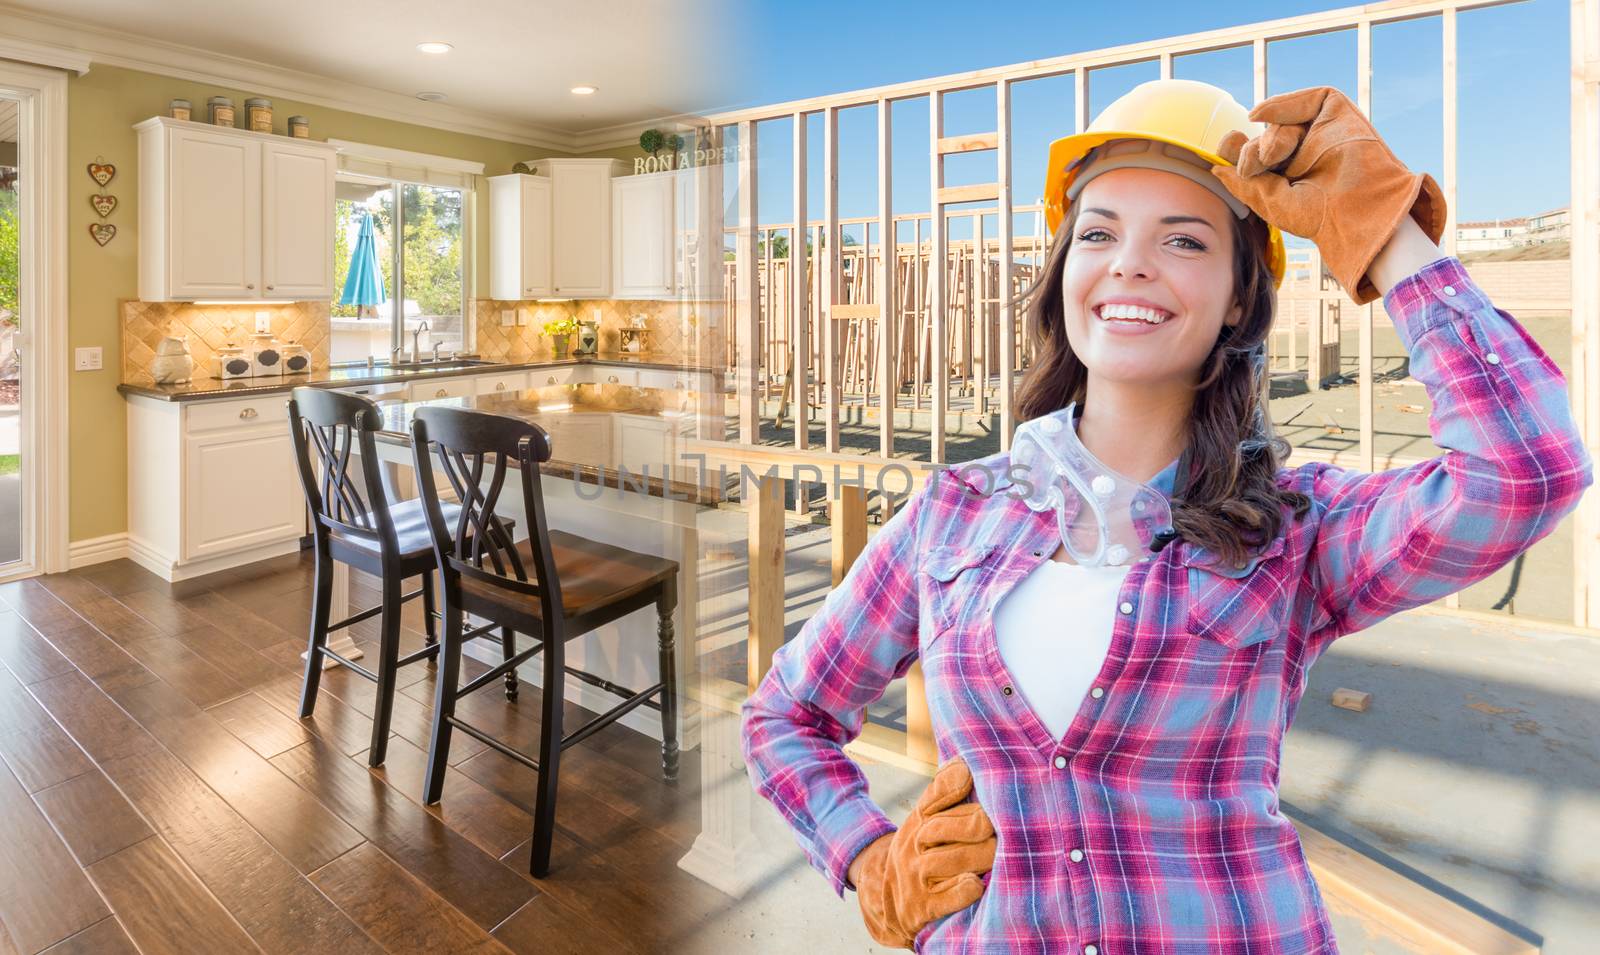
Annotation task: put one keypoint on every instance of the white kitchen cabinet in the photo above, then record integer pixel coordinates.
(296, 220)
(211, 484)
(560, 375)
(225, 213)
(425, 390)
(519, 237)
(502, 384)
(642, 259)
(580, 225)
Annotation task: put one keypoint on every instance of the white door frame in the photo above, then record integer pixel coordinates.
(42, 301)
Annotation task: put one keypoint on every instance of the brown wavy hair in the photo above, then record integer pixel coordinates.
(1231, 504)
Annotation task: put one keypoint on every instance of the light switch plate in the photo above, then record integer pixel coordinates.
(508, 317)
(522, 316)
(263, 323)
(87, 359)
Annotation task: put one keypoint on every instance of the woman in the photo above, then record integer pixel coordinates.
(1112, 688)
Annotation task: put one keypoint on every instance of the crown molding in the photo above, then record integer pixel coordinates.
(627, 134)
(74, 44)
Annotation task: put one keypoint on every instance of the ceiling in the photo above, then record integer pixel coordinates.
(514, 62)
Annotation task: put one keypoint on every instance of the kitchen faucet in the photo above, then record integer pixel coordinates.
(422, 326)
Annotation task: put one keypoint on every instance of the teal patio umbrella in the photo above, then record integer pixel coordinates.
(363, 284)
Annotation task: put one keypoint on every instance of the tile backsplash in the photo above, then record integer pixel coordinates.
(209, 327)
(675, 330)
(669, 338)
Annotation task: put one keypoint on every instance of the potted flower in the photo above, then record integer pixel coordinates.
(558, 329)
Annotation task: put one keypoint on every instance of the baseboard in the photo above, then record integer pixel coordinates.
(97, 550)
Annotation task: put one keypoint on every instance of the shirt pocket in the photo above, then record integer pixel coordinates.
(1237, 606)
(952, 574)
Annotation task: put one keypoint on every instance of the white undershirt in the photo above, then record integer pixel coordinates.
(1054, 629)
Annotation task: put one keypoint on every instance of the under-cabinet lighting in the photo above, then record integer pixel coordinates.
(228, 301)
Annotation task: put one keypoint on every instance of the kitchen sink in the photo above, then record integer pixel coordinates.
(446, 364)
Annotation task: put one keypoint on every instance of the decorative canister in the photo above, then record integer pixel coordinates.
(299, 127)
(296, 359)
(179, 109)
(221, 110)
(173, 365)
(258, 112)
(266, 356)
(588, 337)
(232, 362)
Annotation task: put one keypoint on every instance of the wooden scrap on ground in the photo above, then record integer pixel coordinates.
(1347, 699)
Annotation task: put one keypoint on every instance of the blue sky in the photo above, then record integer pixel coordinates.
(1512, 80)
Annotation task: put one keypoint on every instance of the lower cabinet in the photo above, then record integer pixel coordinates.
(211, 484)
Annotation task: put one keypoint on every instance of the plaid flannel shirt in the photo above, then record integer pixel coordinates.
(1153, 825)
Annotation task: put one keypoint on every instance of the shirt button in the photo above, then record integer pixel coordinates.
(1006, 690)
(1492, 358)
(1126, 607)
(1449, 290)
(1090, 950)
(1061, 762)
(1097, 692)
(1076, 855)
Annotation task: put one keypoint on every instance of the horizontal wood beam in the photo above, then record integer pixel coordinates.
(856, 311)
(976, 142)
(978, 193)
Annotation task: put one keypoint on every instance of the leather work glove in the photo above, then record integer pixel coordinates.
(930, 866)
(1320, 171)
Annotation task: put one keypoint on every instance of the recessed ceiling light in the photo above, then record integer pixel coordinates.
(435, 47)
(585, 90)
(430, 96)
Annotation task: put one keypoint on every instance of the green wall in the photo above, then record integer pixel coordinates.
(103, 105)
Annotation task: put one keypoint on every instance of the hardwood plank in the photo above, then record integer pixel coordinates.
(239, 661)
(107, 664)
(69, 587)
(36, 605)
(27, 654)
(104, 937)
(402, 914)
(97, 724)
(299, 827)
(259, 726)
(163, 906)
(117, 577)
(44, 896)
(39, 753)
(93, 818)
(269, 897)
(546, 927)
(43, 757)
(198, 681)
(465, 876)
(333, 720)
(487, 820)
(116, 621)
(412, 718)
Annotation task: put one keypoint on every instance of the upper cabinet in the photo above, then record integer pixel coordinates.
(642, 235)
(580, 225)
(228, 213)
(519, 237)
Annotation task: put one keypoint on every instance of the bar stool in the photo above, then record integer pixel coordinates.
(555, 585)
(355, 522)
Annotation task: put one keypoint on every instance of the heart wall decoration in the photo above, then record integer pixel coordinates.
(103, 204)
(102, 232)
(101, 172)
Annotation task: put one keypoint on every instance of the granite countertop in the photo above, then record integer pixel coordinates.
(342, 375)
(581, 426)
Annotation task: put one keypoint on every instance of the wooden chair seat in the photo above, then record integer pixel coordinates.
(410, 530)
(592, 575)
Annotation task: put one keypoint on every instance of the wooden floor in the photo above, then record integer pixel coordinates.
(157, 793)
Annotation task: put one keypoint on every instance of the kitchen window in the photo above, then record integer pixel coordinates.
(415, 285)
(402, 254)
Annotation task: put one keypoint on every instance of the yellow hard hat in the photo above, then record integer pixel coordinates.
(1184, 113)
